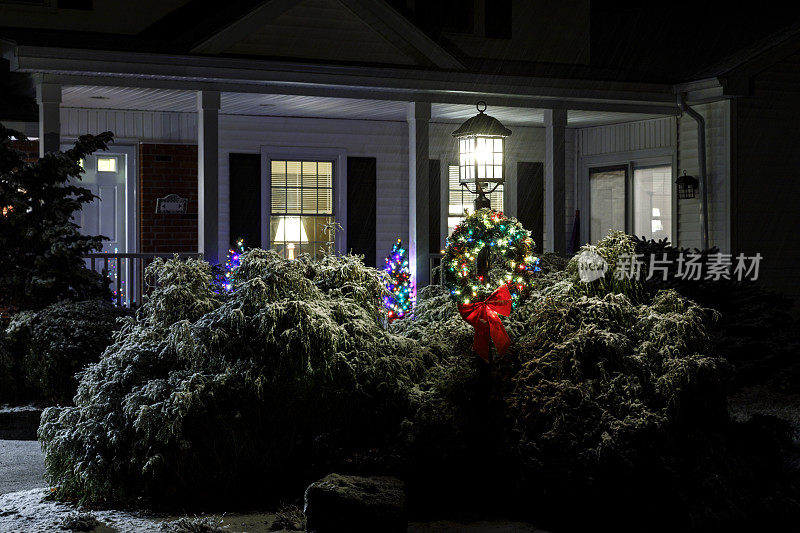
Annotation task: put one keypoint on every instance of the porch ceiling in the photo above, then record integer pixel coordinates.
(99, 97)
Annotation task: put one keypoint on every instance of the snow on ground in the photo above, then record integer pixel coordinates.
(26, 508)
(762, 400)
(21, 466)
(27, 511)
(30, 512)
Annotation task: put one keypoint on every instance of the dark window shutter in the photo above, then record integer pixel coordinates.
(361, 209)
(530, 199)
(434, 217)
(245, 199)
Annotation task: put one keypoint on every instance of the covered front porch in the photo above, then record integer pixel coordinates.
(387, 137)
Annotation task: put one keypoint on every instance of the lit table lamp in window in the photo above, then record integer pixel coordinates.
(655, 222)
(290, 231)
(481, 142)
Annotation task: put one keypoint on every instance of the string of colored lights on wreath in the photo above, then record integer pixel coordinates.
(400, 299)
(511, 259)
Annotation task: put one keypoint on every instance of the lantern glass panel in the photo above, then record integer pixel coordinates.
(686, 191)
(481, 159)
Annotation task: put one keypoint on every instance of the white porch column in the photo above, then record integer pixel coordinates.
(208, 104)
(48, 96)
(419, 114)
(555, 178)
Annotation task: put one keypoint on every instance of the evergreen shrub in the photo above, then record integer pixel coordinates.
(52, 345)
(207, 394)
(607, 410)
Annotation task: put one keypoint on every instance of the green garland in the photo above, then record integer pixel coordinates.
(510, 257)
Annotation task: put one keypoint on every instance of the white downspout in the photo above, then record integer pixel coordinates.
(701, 161)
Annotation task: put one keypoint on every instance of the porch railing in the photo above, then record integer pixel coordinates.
(126, 272)
(435, 262)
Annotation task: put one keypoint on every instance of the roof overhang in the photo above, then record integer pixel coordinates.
(703, 91)
(129, 69)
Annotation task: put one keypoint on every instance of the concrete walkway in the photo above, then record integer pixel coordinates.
(21, 466)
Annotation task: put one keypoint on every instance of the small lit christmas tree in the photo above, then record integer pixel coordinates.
(400, 299)
(232, 263)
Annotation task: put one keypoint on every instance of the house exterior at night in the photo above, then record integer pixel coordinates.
(276, 118)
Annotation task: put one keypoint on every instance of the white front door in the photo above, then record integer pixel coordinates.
(105, 176)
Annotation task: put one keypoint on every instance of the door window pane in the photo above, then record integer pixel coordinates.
(302, 205)
(106, 164)
(652, 202)
(607, 202)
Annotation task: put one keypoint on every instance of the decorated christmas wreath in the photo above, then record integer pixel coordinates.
(487, 267)
(485, 251)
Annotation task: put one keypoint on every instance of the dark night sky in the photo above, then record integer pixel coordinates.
(656, 41)
(673, 40)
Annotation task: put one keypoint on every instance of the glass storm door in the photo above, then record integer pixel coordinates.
(607, 201)
(652, 202)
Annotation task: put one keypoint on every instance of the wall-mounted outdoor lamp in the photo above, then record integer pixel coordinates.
(687, 186)
(481, 142)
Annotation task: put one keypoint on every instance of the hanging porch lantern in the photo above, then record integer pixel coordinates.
(687, 186)
(481, 141)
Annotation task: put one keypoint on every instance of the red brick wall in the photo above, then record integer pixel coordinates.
(30, 148)
(167, 169)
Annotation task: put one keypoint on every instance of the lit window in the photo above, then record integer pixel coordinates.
(652, 202)
(106, 164)
(302, 207)
(461, 201)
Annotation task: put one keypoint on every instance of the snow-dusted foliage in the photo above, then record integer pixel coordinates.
(205, 394)
(48, 347)
(609, 400)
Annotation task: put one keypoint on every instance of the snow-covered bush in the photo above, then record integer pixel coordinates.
(206, 395)
(756, 331)
(603, 404)
(607, 409)
(48, 347)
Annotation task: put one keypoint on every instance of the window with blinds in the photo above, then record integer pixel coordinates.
(461, 202)
(302, 205)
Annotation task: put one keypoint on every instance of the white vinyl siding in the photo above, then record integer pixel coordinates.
(143, 126)
(717, 117)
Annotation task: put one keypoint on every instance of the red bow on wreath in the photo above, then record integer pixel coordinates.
(483, 317)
